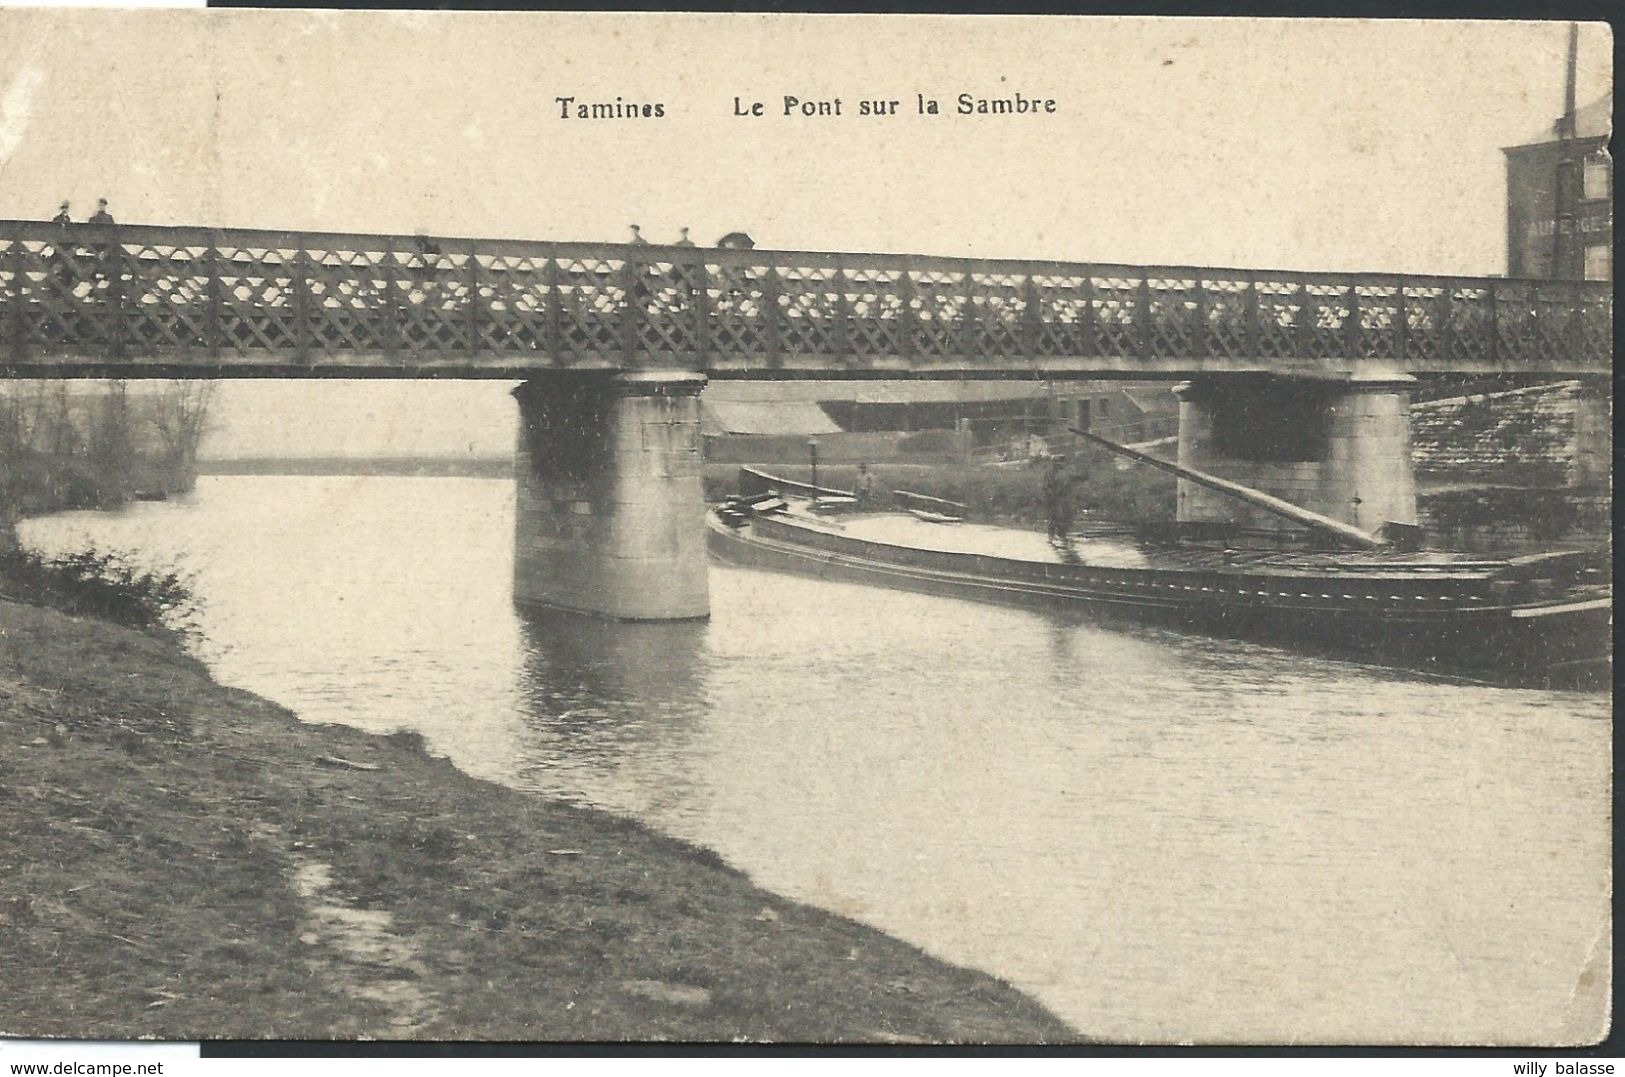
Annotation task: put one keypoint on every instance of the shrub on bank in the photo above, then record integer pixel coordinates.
(35, 484)
(97, 583)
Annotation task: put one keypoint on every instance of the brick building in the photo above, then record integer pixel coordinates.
(1560, 215)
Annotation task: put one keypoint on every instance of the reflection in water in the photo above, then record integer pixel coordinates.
(653, 667)
(599, 696)
(1160, 836)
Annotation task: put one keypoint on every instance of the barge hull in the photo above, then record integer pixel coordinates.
(1556, 644)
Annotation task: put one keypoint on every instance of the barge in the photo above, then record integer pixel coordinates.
(1539, 620)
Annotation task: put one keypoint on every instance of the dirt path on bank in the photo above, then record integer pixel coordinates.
(181, 860)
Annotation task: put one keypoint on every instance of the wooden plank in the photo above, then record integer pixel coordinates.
(1314, 520)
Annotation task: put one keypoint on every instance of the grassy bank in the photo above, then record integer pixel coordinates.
(183, 860)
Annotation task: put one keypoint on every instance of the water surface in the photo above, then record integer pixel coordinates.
(1161, 837)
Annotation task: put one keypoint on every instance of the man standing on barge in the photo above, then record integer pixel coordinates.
(1058, 501)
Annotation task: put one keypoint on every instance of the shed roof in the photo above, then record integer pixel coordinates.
(883, 391)
(944, 392)
(762, 417)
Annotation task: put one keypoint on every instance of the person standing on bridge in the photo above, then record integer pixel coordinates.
(641, 292)
(425, 259)
(61, 256)
(734, 280)
(683, 274)
(105, 253)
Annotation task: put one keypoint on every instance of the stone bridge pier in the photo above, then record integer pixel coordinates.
(1339, 447)
(609, 515)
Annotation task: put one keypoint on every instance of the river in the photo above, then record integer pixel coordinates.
(1161, 837)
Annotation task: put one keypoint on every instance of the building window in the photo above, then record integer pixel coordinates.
(1597, 177)
(1599, 262)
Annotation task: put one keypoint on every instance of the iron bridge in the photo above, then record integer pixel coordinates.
(142, 300)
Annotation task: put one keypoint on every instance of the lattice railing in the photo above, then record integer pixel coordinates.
(201, 296)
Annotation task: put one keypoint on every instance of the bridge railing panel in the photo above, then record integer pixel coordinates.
(999, 302)
(515, 289)
(940, 312)
(663, 296)
(1425, 326)
(1595, 338)
(1059, 316)
(349, 291)
(60, 286)
(1279, 314)
(129, 292)
(589, 295)
(1535, 319)
(737, 298)
(1174, 315)
(1229, 312)
(1471, 327)
(1375, 323)
(256, 300)
(811, 322)
(166, 299)
(875, 306)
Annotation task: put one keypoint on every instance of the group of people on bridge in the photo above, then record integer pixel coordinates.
(734, 241)
(63, 218)
(674, 290)
(72, 264)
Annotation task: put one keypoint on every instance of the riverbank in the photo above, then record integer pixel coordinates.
(475, 467)
(184, 860)
(38, 484)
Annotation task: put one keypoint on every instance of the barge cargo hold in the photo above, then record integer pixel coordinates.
(1531, 621)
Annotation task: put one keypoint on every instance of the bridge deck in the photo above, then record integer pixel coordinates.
(129, 300)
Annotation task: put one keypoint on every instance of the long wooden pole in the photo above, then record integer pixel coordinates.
(1313, 520)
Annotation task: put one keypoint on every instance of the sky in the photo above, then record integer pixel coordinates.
(1313, 144)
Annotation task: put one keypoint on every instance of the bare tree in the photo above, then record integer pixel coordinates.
(19, 424)
(59, 435)
(112, 442)
(22, 418)
(180, 414)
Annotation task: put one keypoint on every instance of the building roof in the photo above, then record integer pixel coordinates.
(1152, 401)
(887, 391)
(786, 417)
(943, 392)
